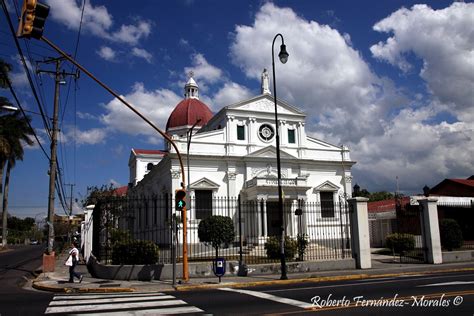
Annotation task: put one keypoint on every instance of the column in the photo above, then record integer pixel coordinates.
(430, 226)
(231, 188)
(252, 135)
(265, 230)
(283, 133)
(360, 232)
(301, 139)
(87, 233)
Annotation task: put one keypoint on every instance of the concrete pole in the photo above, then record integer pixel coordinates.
(52, 161)
(431, 229)
(360, 232)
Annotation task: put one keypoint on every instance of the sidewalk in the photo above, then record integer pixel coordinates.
(57, 281)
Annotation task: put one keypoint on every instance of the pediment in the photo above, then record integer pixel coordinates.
(204, 183)
(326, 186)
(269, 152)
(266, 103)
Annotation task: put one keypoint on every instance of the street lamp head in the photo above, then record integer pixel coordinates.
(9, 108)
(283, 55)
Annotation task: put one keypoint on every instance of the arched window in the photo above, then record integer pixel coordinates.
(149, 166)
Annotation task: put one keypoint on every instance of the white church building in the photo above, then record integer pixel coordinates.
(233, 153)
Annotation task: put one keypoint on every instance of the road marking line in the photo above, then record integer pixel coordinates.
(112, 306)
(270, 297)
(448, 283)
(110, 300)
(364, 283)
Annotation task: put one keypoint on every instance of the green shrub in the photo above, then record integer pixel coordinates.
(119, 236)
(400, 242)
(135, 252)
(450, 233)
(273, 246)
(216, 230)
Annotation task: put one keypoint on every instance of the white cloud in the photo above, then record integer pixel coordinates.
(86, 116)
(142, 53)
(107, 53)
(390, 134)
(203, 71)
(97, 20)
(155, 105)
(230, 93)
(324, 76)
(443, 39)
(115, 183)
(92, 136)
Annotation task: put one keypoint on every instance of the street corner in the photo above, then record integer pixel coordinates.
(51, 286)
(65, 287)
(203, 286)
(106, 290)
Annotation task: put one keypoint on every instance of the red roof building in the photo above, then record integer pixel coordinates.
(121, 191)
(454, 187)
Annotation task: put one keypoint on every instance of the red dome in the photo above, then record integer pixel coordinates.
(187, 112)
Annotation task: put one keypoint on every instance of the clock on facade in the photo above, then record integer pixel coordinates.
(266, 132)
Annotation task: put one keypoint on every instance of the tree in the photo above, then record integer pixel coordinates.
(95, 194)
(450, 234)
(15, 131)
(380, 196)
(376, 196)
(216, 230)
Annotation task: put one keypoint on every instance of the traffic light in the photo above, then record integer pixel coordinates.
(180, 195)
(33, 17)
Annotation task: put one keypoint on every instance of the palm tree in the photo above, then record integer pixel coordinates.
(15, 131)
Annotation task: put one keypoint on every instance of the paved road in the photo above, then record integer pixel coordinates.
(437, 294)
(15, 266)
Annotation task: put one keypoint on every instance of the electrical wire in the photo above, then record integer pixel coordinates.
(30, 81)
(24, 114)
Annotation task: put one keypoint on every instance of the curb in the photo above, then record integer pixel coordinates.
(57, 289)
(315, 279)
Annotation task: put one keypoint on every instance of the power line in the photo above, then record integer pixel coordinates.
(30, 81)
(24, 114)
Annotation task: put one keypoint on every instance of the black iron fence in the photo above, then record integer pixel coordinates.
(324, 227)
(463, 213)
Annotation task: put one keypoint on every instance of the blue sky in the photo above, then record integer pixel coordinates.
(393, 80)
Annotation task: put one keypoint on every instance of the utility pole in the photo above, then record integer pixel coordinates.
(58, 79)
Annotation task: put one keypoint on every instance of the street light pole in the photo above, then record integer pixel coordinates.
(283, 55)
(190, 135)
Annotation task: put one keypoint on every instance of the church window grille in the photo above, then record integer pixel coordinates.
(327, 204)
(291, 136)
(241, 132)
(203, 203)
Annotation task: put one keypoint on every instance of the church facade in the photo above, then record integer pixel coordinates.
(233, 153)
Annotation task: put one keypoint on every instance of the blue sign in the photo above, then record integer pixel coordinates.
(219, 267)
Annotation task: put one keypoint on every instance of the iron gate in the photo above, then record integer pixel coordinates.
(410, 222)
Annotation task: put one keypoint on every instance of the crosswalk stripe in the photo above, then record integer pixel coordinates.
(163, 311)
(110, 300)
(105, 295)
(111, 306)
(270, 297)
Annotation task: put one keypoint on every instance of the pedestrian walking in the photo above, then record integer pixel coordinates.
(72, 261)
